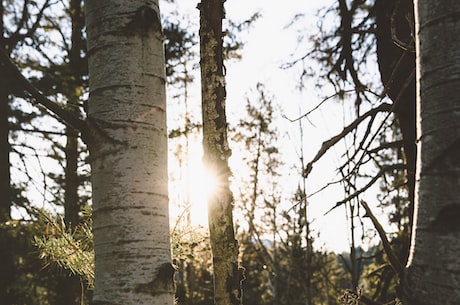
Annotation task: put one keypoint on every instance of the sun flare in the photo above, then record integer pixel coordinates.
(190, 190)
(203, 184)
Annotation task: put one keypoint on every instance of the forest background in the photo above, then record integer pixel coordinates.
(279, 214)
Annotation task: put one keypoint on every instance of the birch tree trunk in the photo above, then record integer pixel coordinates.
(128, 146)
(224, 247)
(433, 272)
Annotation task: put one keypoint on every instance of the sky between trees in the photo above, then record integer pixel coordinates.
(271, 42)
(269, 45)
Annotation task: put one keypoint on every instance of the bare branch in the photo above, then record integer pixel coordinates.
(397, 266)
(382, 171)
(340, 93)
(394, 144)
(384, 107)
(23, 84)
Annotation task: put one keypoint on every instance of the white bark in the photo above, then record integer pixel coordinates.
(433, 272)
(128, 153)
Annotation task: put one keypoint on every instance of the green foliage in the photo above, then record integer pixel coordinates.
(350, 298)
(194, 279)
(233, 44)
(28, 283)
(184, 240)
(179, 52)
(70, 249)
(280, 264)
(274, 251)
(283, 280)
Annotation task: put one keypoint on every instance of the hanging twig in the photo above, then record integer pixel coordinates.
(332, 141)
(397, 266)
(382, 171)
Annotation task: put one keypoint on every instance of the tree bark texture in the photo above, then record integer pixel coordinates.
(433, 272)
(128, 147)
(224, 247)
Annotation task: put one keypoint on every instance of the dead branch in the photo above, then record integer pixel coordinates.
(384, 107)
(395, 264)
(382, 171)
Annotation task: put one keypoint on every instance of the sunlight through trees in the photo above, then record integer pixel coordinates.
(229, 152)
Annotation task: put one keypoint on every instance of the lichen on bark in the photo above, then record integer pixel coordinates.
(216, 151)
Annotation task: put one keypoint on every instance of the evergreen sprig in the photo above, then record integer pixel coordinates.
(70, 249)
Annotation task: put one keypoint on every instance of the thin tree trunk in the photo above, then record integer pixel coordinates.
(7, 268)
(224, 247)
(5, 184)
(77, 69)
(128, 146)
(71, 199)
(6, 255)
(433, 273)
(70, 286)
(306, 217)
(353, 256)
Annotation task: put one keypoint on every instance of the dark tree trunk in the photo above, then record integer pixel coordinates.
(71, 199)
(6, 256)
(77, 70)
(227, 290)
(70, 287)
(396, 59)
(5, 183)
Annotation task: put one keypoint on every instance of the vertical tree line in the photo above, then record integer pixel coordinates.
(216, 151)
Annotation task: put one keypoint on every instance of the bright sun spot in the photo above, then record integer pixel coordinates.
(191, 185)
(202, 185)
